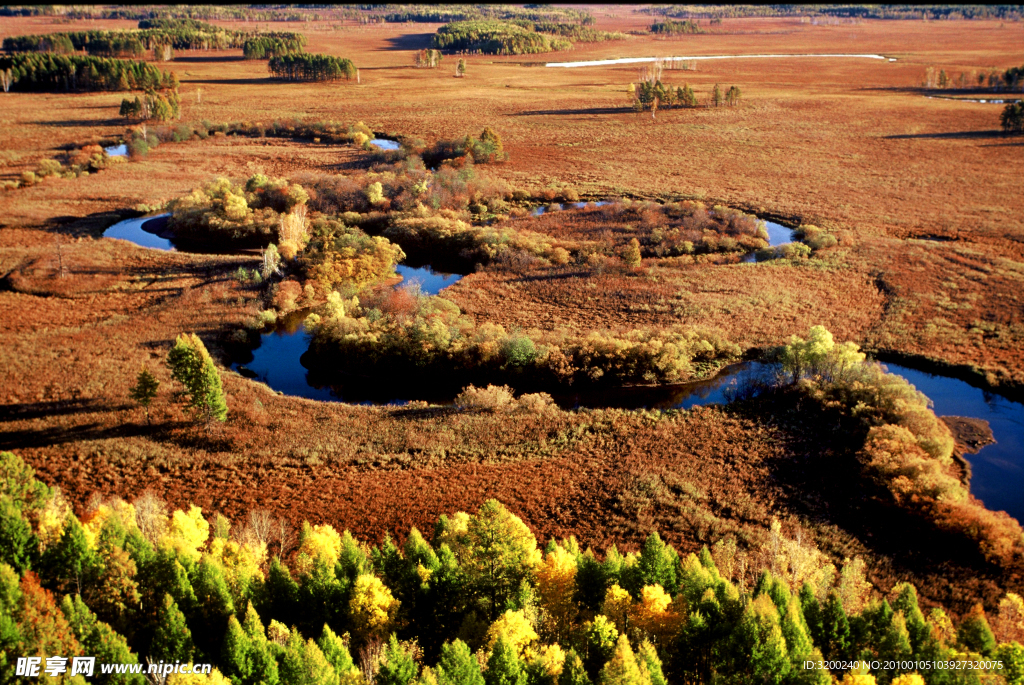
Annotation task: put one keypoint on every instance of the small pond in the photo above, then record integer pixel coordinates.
(556, 207)
(142, 231)
(385, 144)
(430, 282)
(117, 150)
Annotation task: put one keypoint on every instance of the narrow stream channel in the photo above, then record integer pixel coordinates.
(997, 469)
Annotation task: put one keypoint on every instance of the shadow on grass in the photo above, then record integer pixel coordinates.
(409, 41)
(562, 112)
(62, 435)
(83, 123)
(35, 410)
(210, 58)
(956, 135)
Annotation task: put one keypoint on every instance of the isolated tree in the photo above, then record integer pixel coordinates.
(716, 96)
(943, 79)
(1012, 118)
(192, 366)
(460, 68)
(631, 254)
(144, 390)
(732, 96)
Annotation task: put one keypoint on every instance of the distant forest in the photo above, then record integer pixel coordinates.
(861, 11)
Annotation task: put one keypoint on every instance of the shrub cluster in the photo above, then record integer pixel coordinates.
(76, 163)
(229, 214)
(135, 582)
(403, 333)
(337, 254)
(495, 38)
(906, 448)
(49, 72)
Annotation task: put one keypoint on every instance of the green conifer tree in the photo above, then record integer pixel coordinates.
(975, 633)
(458, 666)
(172, 640)
(648, 658)
(336, 652)
(192, 366)
(504, 666)
(399, 667)
(18, 545)
(144, 390)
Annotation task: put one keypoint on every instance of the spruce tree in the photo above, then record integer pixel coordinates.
(648, 657)
(172, 640)
(146, 383)
(68, 563)
(975, 633)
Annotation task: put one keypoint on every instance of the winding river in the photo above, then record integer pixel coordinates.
(997, 469)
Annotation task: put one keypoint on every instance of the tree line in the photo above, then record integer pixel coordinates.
(179, 34)
(440, 14)
(267, 45)
(311, 67)
(477, 602)
(495, 38)
(846, 10)
(48, 72)
(676, 28)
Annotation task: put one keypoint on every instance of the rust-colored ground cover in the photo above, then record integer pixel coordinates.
(847, 144)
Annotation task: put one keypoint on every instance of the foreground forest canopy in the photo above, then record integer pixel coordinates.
(451, 345)
(479, 602)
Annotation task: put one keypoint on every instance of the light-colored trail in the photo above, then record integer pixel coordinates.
(635, 60)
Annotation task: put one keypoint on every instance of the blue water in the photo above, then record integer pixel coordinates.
(997, 470)
(134, 230)
(385, 144)
(778, 234)
(117, 150)
(431, 282)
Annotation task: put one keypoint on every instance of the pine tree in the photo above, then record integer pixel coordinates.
(172, 640)
(458, 666)
(716, 96)
(235, 658)
(504, 666)
(145, 387)
(398, 667)
(192, 366)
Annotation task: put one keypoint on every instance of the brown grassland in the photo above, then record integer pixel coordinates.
(850, 145)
